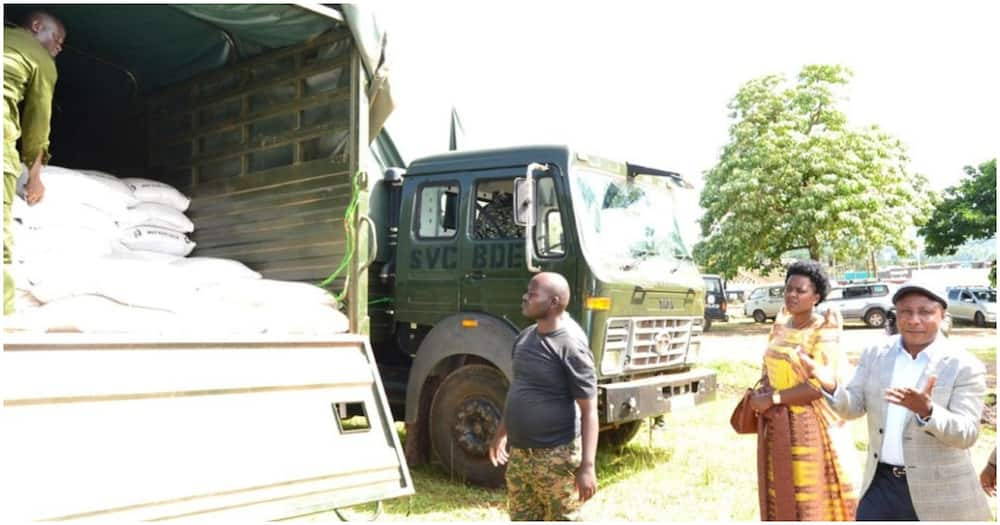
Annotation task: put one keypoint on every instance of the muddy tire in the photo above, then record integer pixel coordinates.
(758, 315)
(464, 416)
(618, 437)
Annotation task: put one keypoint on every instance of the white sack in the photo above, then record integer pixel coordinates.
(156, 214)
(118, 250)
(153, 191)
(267, 292)
(212, 270)
(133, 281)
(93, 314)
(114, 185)
(62, 213)
(315, 319)
(24, 300)
(60, 242)
(71, 186)
(156, 239)
(54, 278)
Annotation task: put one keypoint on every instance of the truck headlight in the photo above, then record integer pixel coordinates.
(611, 361)
(694, 353)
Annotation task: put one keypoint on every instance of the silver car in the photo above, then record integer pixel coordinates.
(868, 302)
(975, 304)
(765, 302)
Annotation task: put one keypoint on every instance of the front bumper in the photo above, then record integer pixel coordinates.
(652, 396)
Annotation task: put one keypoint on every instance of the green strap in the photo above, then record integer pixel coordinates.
(349, 239)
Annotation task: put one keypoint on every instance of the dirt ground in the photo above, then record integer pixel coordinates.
(744, 340)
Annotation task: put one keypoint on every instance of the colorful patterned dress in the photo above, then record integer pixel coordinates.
(807, 466)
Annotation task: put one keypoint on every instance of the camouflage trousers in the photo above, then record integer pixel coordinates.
(541, 483)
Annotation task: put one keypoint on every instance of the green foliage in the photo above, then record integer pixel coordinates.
(968, 211)
(795, 175)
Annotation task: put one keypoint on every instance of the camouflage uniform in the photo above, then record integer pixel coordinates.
(496, 219)
(29, 80)
(541, 483)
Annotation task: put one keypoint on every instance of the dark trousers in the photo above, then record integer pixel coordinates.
(887, 498)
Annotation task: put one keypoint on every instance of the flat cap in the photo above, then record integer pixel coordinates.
(928, 289)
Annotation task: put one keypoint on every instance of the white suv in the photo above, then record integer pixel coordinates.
(765, 302)
(975, 304)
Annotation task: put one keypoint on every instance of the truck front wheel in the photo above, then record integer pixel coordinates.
(465, 413)
(619, 436)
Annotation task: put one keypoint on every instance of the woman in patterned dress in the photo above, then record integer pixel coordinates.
(806, 464)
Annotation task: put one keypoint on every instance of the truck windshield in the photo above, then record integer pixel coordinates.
(626, 223)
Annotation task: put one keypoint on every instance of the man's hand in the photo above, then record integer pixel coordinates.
(823, 374)
(918, 401)
(586, 482)
(498, 450)
(34, 190)
(988, 479)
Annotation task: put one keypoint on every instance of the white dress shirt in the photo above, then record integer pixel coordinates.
(906, 371)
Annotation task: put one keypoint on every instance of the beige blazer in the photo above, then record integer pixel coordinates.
(943, 482)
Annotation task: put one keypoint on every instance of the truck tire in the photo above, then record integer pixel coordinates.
(758, 315)
(979, 319)
(464, 416)
(875, 318)
(618, 437)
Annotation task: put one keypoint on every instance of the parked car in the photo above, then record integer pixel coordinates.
(976, 304)
(715, 300)
(765, 302)
(868, 302)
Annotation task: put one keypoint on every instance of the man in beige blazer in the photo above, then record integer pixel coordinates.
(924, 399)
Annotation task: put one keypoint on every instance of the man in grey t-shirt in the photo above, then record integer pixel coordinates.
(551, 403)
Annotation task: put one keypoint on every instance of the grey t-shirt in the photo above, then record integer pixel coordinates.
(551, 371)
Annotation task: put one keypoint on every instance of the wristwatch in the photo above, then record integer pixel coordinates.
(776, 398)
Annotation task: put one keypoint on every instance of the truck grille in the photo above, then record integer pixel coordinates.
(651, 342)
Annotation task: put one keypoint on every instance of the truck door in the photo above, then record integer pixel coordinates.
(426, 285)
(494, 274)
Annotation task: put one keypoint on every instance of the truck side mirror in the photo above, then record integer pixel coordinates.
(524, 202)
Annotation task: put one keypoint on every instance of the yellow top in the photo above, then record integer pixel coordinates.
(820, 340)
(29, 77)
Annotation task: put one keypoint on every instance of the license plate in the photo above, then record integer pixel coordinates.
(682, 402)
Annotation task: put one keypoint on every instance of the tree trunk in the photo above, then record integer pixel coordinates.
(813, 250)
(874, 266)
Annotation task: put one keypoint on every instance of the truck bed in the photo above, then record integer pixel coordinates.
(252, 428)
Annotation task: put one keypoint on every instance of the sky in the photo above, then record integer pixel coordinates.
(649, 82)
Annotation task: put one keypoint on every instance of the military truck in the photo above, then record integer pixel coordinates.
(460, 235)
(269, 118)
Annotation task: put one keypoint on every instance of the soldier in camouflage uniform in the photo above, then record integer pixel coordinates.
(550, 417)
(29, 80)
(496, 219)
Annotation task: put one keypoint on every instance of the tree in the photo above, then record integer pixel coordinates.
(968, 211)
(794, 175)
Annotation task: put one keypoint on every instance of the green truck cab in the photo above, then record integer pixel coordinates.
(461, 234)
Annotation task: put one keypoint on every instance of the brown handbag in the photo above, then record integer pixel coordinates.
(744, 419)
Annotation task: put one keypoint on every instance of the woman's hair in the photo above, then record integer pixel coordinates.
(815, 272)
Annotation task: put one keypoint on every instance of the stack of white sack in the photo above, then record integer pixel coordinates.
(155, 227)
(122, 293)
(77, 217)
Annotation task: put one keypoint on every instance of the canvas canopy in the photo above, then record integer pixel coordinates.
(115, 53)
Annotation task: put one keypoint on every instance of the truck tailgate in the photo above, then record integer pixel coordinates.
(253, 428)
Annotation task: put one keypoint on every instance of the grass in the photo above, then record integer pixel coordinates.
(697, 469)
